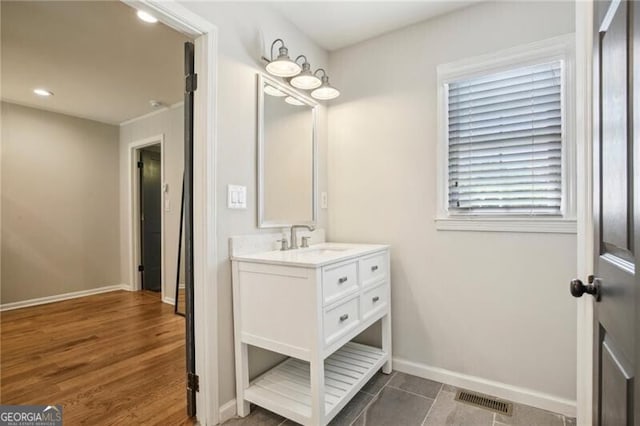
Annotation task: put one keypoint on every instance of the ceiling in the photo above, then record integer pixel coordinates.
(100, 61)
(337, 24)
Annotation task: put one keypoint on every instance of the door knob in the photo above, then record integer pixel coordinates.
(577, 288)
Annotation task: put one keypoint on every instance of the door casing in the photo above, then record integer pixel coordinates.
(584, 208)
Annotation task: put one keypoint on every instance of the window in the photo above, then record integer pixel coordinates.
(505, 141)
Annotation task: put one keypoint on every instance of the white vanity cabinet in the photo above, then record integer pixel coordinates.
(309, 304)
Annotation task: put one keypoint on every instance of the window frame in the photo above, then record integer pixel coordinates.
(554, 49)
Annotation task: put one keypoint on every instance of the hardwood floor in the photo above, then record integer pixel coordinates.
(113, 358)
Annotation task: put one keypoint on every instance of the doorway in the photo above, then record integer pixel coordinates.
(150, 183)
(205, 319)
(146, 186)
(125, 198)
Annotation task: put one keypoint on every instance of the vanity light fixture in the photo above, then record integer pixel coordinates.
(300, 77)
(293, 101)
(270, 90)
(43, 92)
(325, 91)
(282, 66)
(306, 80)
(146, 17)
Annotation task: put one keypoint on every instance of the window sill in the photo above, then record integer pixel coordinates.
(535, 225)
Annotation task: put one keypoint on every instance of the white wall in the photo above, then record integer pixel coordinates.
(59, 204)
(491, 305)
(169, 123)
(243, 28)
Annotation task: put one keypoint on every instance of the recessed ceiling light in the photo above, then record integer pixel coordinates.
(147, 17)
(155, 104)
(43, 92)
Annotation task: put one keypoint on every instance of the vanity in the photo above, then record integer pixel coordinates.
(309, 304)
(306, 303)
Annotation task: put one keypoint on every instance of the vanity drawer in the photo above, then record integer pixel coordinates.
(338, 281)
(373, 269)
(374, 299)
(339, 320)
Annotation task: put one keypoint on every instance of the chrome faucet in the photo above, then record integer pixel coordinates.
(294, 238)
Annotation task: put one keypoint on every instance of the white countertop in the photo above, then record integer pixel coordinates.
(315, 256)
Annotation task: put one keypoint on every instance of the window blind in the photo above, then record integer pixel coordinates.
(505, 142)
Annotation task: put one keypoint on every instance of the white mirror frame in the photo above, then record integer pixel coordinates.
(262, 222)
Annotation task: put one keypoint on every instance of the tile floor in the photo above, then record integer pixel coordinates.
(403, 400)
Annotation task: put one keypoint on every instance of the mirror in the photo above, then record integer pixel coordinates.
(286, 155)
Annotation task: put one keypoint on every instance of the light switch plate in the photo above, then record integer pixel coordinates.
(324, 200)
(236, 197)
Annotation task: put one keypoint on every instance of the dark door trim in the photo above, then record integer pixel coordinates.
(190, 88)
(150, 267)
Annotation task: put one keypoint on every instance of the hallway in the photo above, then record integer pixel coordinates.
(112, 358)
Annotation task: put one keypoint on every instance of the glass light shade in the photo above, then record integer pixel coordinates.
(283, 66)
(305, 80)
(326, 91)
(293, 101)
(270, 90)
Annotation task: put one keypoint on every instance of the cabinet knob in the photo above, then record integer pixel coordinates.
(342, 280)
(374, 268)
(344, 317)
(375, 299)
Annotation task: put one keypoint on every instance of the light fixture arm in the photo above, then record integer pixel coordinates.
(302, 56)
(274, 44)
(324, 73)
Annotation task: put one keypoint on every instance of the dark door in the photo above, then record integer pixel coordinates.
(190, 88)
(151, 219)
(614, 214)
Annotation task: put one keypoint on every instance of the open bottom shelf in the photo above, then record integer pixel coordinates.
(286, 388)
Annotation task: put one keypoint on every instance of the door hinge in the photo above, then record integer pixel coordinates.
(140, 164)
(193, 382)
(191, 83)
(140, 268)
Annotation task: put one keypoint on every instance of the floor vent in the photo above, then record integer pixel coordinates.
(484, 401)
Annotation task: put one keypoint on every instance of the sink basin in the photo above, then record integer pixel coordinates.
(321, 251)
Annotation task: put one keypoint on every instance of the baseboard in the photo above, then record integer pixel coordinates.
(489, 387)
(61, 297)
(169, 301)
(228, 411)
